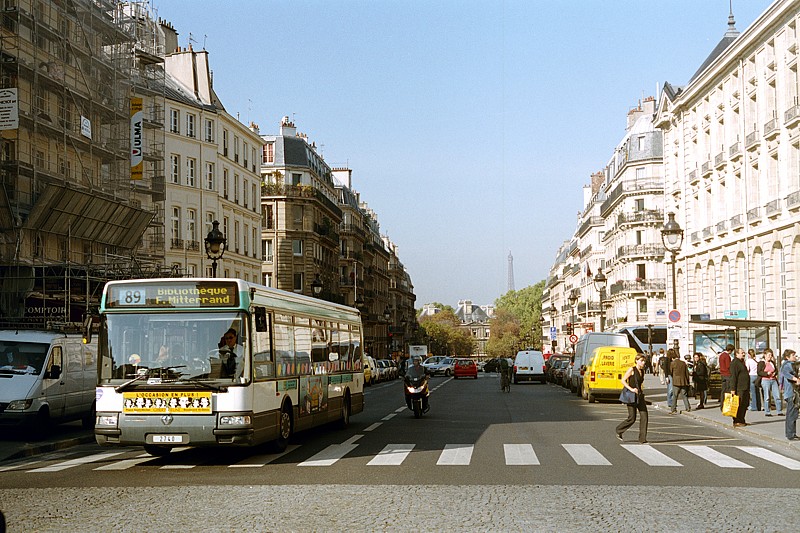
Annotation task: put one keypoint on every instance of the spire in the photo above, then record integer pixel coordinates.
(732, 31)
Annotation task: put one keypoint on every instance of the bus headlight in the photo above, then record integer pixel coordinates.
(19, 405)
(107, 420)
(238, 420)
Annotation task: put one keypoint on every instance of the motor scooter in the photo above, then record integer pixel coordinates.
(415, 387)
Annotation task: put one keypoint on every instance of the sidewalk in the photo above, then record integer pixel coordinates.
(16, 444)
(759, 425)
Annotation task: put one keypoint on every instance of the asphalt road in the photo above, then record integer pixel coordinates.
(488, 446)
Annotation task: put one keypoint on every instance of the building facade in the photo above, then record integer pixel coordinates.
(732, 176)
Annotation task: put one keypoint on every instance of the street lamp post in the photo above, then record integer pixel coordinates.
(316, 286)
(573, 299)
(541, 327)
(553, 312)
(387, 315)
(672, 237)
(600, 284)
(215, 243)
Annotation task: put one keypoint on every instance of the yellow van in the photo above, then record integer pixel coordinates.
(604, 370)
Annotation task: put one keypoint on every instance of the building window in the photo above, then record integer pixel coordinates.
(640, 271)
(176, 226)
(209, 222)
(209, 131)
(236, 188)
(190, 171)
(236, 239)
(246, 240)
(245, 149)
(297, 247)
(267, 279)
(255, 198)
(225, 143)
(236, 148)
(640, 204)
(174, 121)
(297, 212)
(210, 176)
(191, 225)
(255, 241)
(190, 125)
(297, 179)
(266, 217)
(225, 228)
(268, 153)
(641, 143)
(298, 282)
(225, 183)
(175, 172)
(244, 193)
(267, 250)
(641, 173)
(642, 306)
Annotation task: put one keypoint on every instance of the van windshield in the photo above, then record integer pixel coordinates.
(18, 358)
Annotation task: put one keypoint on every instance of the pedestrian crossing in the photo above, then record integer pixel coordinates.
(451, 455)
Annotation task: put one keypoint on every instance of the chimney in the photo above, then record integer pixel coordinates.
(288, 128)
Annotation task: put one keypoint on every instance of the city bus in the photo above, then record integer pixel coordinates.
(221, 362)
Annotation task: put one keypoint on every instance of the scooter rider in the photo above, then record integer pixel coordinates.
(415, 371)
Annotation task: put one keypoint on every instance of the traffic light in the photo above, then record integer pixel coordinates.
(569, 328)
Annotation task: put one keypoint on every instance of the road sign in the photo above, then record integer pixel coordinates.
(674, 316)
(573, 339)
(673, 333)
(553, 329)
(553, 335)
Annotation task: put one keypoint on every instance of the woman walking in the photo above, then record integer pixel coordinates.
(633, 380)
(768, 372)
(700, 378)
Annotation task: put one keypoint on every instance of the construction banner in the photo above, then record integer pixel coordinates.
(137, 141)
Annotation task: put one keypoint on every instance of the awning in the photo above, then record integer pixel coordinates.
(81, 215)
(738, 323)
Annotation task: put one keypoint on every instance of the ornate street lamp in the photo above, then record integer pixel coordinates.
(316, 286)
(600, 284)
(573, 299)
(387, 314)
(672, 237)
(215, 243)
(553, 313)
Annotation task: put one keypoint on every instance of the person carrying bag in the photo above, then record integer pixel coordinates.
(633, 397)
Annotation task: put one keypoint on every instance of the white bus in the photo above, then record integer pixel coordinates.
(209, 362)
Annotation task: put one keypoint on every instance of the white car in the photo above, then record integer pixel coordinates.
(439, 365)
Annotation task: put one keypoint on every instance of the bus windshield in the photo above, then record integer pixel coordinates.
(155, 348)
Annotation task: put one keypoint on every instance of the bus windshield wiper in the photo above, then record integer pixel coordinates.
(196, 381)
(128, 383)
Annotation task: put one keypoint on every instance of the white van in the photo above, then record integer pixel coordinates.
(46, 377)
(583, 350)
(529, 365)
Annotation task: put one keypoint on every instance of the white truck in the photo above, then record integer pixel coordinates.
(46, 377)
(418, 349)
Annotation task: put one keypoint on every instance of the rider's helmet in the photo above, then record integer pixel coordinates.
(416, 359)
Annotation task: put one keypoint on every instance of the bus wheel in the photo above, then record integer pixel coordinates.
(284, 430)
(345, 420)
(157, 451)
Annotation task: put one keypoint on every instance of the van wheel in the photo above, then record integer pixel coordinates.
(591, 397)
(157, 451)
(41, 425)
(584, 394)
(284, 429)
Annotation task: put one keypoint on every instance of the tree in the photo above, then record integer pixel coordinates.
(444, 336)
(517, 322)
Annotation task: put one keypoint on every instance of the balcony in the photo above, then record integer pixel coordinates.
(694, 237)
(706, 169)
(771, 129)
(640, 250)
(793, 201)
(735, 151)
(638, 286)
(594, 307)
(649, 216)
(693, 177)
(176, 244)
(773, 209)
(792, 116)
(589, 223)
(708, 233)
(722, 228)
(754, 216)
(736, 223)
(752, 141)
(719, 161)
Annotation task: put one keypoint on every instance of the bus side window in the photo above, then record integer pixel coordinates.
(262, 346)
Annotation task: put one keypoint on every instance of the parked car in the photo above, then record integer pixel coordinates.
(558, 370)
(368, 375)
(441, 365)
(550, 365)
(465, 368)
(373, 368)
(567, 378)
(492, 365)
(387, 370)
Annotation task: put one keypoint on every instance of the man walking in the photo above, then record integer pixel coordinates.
(789, 380)
(724, 362)
(666, 369)
(680, 383)
(740, 385)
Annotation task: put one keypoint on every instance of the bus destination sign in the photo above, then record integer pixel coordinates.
(173, 294)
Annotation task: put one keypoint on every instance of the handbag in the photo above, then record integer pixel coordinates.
(731, 404)
(627, 396)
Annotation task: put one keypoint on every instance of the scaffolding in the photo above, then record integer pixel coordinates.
(70, 216)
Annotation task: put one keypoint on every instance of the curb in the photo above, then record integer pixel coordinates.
(36, 449)
(710, 421)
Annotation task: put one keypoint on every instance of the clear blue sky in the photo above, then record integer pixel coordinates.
(470, 126)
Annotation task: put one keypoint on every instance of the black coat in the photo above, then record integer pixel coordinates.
(740, 377)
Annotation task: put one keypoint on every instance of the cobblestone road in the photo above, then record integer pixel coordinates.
(395, 508)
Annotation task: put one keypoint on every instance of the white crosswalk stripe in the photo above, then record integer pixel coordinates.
(520, 454)
(713, 456)
(456, 454)
(585, 455)
(650, 455)
(392, 454)
(395, 454)
(75, 462)
(772, 457)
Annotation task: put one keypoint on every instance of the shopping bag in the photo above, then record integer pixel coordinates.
(731, 404)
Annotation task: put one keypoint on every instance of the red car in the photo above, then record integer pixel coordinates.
(465, 368)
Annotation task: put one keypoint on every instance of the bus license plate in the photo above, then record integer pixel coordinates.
(175, 439)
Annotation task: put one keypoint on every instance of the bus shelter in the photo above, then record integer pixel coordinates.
(712, 338)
